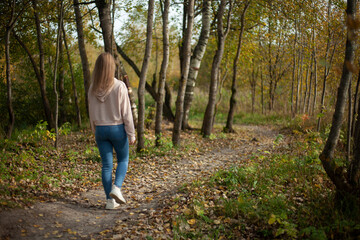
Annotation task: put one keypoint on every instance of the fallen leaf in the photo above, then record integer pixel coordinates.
(191, 221)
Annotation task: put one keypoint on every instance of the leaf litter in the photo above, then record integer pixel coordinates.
(74, 208)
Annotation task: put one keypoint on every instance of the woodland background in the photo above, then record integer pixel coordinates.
(290, 59)
(191, 64)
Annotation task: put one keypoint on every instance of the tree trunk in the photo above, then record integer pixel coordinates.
(310, 85)
(208, 123)
(40, 73)
(354, 168)
(154, 80)
(293, 74)
(262, 92)
(167, 106)
(106, 25)
(327, 68)
(195, 61)
(144, 68)
(270, 75)
(356, 106)
(9, 83)
(335, 173)
(306, 90)
(300, 82)
(221, 84)
(183, 33)
(60, 22)
(186, 53)
(164, 65)
(233, 102)
(9, 27)
(315, 83)
(77, 105)
(82, 51)
(62, 113)
(253, 87)
(349, 125)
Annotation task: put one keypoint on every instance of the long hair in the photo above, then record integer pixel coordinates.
(103, 74)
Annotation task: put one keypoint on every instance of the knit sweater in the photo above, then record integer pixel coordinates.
(112, 108)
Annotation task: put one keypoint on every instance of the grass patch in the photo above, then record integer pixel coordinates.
(243, 118)
(285, 194)
(32, 169)
(260, 119)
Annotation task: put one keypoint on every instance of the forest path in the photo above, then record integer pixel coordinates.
(150, 189)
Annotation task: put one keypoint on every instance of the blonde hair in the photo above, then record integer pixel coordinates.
(103, 74)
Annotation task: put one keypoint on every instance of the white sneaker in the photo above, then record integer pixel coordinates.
(111, 204)
(116, 194)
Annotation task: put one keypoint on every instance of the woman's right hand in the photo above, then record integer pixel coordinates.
(132, 142)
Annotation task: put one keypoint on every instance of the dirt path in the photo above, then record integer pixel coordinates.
(149, 188)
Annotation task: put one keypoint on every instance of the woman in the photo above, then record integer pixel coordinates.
(112, 122)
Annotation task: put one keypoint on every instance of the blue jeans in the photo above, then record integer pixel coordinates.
(107, 138)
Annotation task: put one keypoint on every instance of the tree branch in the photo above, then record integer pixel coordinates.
(32, 60)
(84, 3)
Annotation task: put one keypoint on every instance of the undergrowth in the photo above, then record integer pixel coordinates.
(32, 169)
(284, 194)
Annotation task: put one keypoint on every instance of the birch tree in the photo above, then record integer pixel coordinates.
(196, 59)
(144, 68)
(208, 123)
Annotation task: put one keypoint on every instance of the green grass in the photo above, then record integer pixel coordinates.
(282, 195)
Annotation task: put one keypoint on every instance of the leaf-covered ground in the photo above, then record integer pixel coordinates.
(63, 197)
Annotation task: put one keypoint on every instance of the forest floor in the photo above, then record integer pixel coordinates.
(152, 188)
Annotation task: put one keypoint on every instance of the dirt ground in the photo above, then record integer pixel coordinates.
(149, 188)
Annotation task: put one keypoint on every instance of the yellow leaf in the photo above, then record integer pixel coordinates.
(272, 219)
(217, 221)
(191, 221)
(104, 232)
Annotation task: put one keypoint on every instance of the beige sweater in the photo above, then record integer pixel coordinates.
(112, 108)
